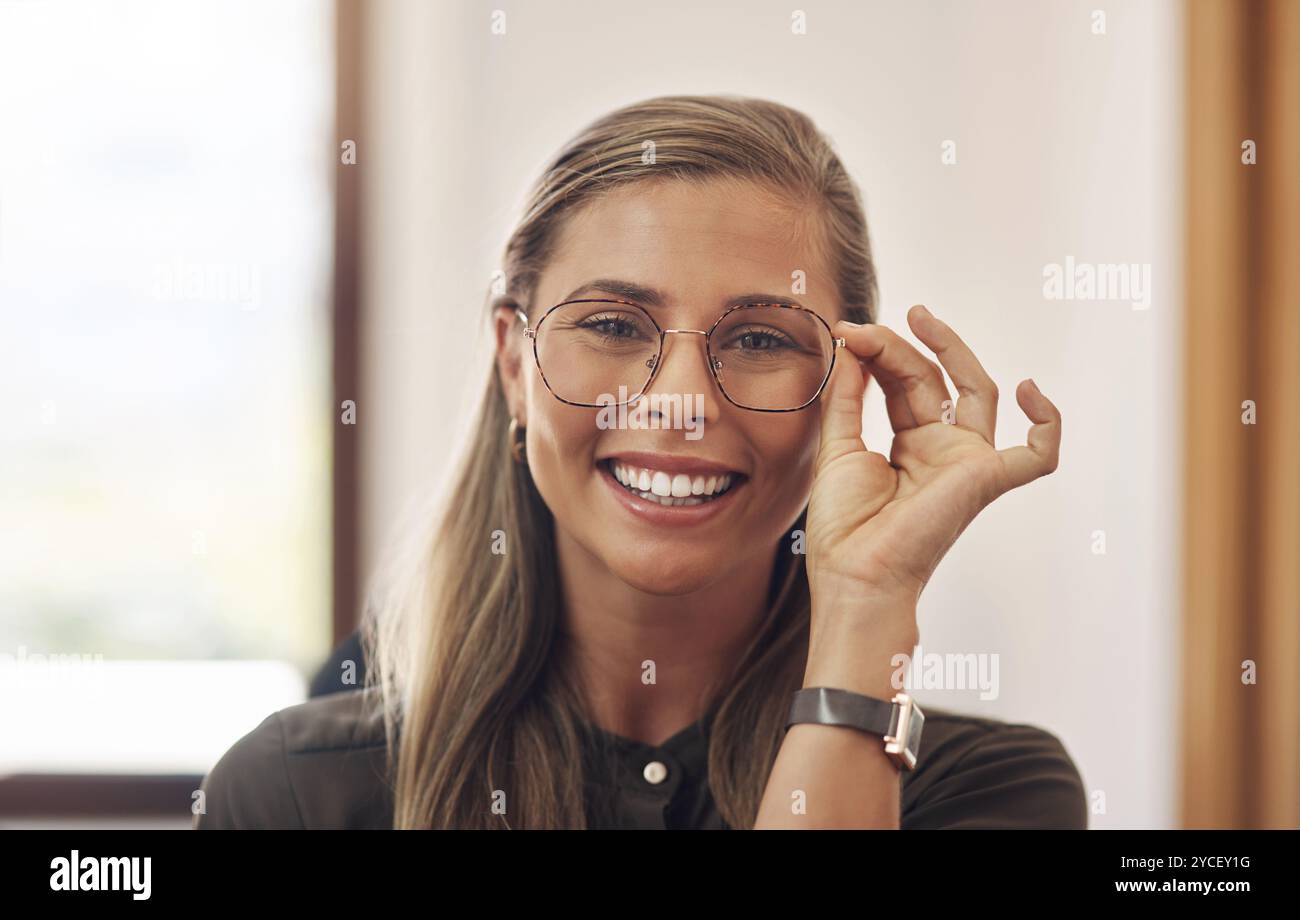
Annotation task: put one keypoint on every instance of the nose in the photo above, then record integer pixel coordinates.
(684, 369)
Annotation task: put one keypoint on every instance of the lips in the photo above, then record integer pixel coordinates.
(671, 489)
(668, 489)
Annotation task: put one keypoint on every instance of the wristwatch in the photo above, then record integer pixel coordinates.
(898, 721)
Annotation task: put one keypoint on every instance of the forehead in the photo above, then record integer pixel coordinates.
(700, 244)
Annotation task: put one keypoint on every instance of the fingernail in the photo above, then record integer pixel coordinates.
(924, 311)
(852, 324)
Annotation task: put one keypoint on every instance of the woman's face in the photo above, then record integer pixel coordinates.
(699, 248)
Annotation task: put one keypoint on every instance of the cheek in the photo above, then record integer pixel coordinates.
(787, 451)
(561, 444)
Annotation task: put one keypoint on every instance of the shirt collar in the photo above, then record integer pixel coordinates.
(685, 754)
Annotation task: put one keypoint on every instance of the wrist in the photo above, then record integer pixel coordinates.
(857, 618)
(837, 595)
(864, 653)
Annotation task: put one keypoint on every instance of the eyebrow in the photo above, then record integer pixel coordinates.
(653, 297)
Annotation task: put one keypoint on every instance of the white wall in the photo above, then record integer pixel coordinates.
(1068, 144)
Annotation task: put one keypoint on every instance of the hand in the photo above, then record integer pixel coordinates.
(878, 527)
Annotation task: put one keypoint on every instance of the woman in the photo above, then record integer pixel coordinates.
(667, 523)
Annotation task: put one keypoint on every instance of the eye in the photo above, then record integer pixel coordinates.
(757, 339)
(610, 327)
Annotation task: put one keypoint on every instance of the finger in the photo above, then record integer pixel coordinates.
(917, 381)
(977, 394)
(842, 409)
(1039, 456)
(900, 413)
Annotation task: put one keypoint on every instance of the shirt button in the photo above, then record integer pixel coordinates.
(654, 772)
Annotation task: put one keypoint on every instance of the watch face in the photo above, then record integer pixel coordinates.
(915, 722)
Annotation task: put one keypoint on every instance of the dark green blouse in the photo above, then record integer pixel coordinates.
(320, 764)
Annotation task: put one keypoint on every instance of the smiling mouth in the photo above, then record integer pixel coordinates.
(671, 489)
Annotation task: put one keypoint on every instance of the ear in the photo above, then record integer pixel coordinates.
(512, 348)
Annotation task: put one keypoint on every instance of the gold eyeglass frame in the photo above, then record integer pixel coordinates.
(714, 363)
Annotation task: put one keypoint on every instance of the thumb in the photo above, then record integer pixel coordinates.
(841, 431)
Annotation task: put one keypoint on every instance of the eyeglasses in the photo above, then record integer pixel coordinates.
(768, 357)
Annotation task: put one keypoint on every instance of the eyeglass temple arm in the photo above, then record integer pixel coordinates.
(524, 318)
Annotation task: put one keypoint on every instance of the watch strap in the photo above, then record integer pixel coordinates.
(832, 706)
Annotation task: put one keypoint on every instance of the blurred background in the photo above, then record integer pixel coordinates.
(221, 222)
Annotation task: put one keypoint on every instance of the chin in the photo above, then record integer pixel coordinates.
(666, 574)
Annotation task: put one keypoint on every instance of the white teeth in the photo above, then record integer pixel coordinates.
(670, 489)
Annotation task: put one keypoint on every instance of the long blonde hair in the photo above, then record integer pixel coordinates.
(461, 641)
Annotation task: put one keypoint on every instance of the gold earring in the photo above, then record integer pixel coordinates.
(513, 433)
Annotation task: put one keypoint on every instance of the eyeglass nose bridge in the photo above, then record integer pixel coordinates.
(656, 362)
